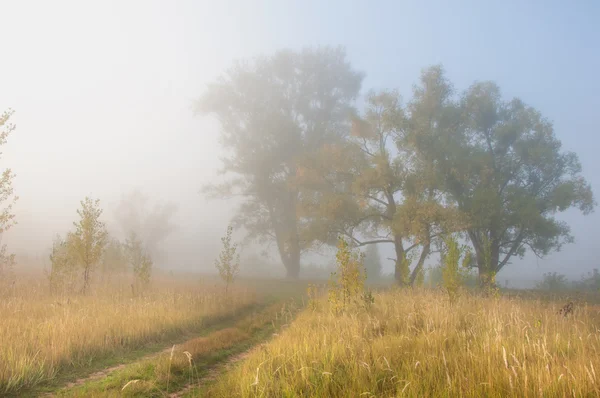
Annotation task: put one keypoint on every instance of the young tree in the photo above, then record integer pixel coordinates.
(140, 261)
(347, 283)
(89, 239)
(502, 165)
(272, 111)
(63, 267)
(7, 198)
(152, 224)
(228, 262)
(372, 263)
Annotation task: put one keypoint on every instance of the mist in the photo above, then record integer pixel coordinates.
(105, 96)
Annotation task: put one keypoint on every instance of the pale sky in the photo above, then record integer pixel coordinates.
(103, 92)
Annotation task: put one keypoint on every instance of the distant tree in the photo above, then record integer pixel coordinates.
(590, 281)
(7, 198)
(152, 224)
(228, 263)
(273, 111)
(114, 260)
(140, 261)
(554, 282)
(502, 165)
(63, 274)
(89, 239)
(372, 263)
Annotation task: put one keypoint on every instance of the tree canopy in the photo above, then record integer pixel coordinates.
(272, 111)
(310, 168)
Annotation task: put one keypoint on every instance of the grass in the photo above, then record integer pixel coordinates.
(415, 343)
(188, 363)
(52, 336)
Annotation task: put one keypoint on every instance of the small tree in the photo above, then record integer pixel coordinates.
(63, 271)
(7, 218)
(347, 284)
(89, 239)
(228, 262)
(452, 275)
(140, 261)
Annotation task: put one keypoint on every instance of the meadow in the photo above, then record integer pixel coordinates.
(267, 338)
(416, 343)
(46, 337)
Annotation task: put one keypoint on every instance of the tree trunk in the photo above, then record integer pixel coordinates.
(487, 272)
(399, 273)
(285, 227)
(292, 268)
(421, 263)
(86, 279)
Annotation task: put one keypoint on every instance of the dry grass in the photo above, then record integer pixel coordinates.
(47, 334)
(186, 365)
(415, 343)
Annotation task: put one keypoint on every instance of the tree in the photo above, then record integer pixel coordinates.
(502, 165)
(89, 239)
(63, 266)
(553, 282)
(272, 111)
(152, 224)
(372, 262)
(114, 259)
(228, 263)
(141, 262)
(7, 197)
(376, 188)
(347, 283)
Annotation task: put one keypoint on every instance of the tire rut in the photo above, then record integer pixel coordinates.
(211, 327)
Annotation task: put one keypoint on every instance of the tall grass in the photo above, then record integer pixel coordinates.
(416, 343)
(41, 334)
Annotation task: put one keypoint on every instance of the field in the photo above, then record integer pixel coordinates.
(186, 338)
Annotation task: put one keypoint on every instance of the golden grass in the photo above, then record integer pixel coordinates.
(40, 334)
(417, 344)
(187, 364)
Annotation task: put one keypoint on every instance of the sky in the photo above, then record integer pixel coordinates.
(104, 91)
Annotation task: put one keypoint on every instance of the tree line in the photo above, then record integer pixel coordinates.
(311, 166)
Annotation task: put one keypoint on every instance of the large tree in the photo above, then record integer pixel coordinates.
(376, 188)
(272, 111)
(503, 166)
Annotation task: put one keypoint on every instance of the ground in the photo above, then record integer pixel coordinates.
(185, 337)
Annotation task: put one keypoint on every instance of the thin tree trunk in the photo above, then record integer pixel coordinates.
(421, 263)
(86, 279)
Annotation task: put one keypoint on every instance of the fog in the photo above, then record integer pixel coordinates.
(104, 96)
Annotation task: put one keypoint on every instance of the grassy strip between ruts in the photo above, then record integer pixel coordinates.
(187, 363)
(206, 326)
